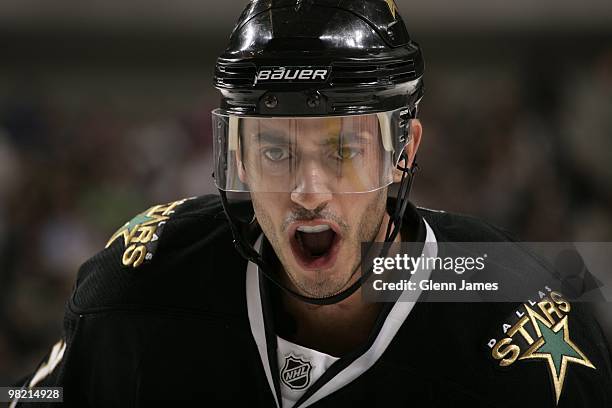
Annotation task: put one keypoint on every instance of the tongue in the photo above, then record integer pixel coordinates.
(317, 243)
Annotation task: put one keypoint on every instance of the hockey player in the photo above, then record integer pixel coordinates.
(221, 301)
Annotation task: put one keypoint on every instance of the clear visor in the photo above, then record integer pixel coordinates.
(333, 154)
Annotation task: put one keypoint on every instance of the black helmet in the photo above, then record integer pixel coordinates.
(319, 57)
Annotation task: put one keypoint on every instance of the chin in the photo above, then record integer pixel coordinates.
(320, 283)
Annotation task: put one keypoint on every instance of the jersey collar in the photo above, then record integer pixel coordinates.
(347, 368)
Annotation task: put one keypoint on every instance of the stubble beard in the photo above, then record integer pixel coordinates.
(324, 283)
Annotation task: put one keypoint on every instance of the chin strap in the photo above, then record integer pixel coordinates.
(246, 249)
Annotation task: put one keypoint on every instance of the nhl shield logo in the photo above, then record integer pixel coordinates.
(296, 372)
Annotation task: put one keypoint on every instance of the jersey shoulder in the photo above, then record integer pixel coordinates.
(172, 255)
(455, 227)
(543, 341)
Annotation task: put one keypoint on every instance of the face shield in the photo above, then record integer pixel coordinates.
(331, 154)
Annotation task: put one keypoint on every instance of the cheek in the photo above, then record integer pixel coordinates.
(362, 209)
(270, 209)
(365, 214)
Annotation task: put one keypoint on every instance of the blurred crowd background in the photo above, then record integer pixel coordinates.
(105, 110)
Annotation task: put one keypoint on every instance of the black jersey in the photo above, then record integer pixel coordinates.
(170, 312)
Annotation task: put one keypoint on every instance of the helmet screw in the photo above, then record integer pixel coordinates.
(313, 101)
(271, 101)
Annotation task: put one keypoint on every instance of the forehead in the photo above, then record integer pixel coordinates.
(325, 125)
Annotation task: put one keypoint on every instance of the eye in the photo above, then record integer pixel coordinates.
(346, 153)
(276, 154)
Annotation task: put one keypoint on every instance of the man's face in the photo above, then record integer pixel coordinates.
(315, 231)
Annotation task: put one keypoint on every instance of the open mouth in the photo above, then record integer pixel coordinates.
(315, 244)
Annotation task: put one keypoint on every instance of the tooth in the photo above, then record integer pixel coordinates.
(313, 229)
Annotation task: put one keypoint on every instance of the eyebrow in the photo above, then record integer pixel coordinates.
(348, 137)
(272, 137)
(276, 137)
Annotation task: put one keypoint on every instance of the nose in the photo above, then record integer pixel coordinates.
(312, 189)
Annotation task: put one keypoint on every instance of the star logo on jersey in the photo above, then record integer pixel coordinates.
(392, 7)
(555, 347)
(140, 234)
(128, 230)
(541, 336)
(296, 372)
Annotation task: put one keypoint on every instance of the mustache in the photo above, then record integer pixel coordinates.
(321, 212)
